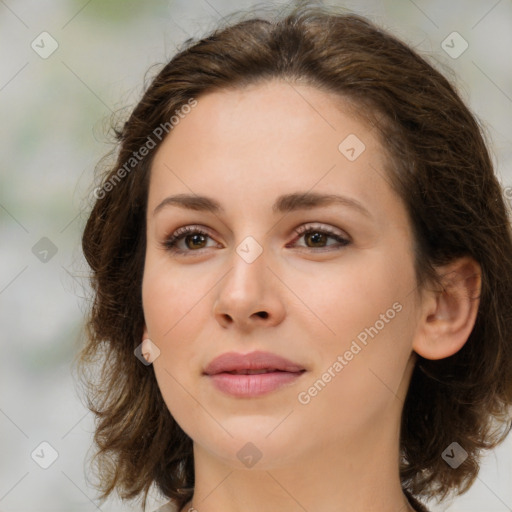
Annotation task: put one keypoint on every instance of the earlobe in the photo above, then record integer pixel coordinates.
(449, 315)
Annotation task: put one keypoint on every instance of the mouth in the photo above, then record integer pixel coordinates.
(253, 374)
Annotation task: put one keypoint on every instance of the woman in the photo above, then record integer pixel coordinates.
(302, 268)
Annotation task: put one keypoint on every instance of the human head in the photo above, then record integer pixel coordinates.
(438, 165)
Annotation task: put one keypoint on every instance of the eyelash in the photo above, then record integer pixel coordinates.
(171, 241)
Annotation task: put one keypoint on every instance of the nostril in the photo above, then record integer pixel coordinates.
(263, 314)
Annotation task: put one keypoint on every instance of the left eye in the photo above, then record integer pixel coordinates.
(195, 238)
(319, 235)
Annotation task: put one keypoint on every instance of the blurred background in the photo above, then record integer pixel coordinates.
(66, 67)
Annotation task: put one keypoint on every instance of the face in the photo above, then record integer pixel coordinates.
(328, 286)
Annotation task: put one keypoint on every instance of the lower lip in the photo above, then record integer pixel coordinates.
(252, 385)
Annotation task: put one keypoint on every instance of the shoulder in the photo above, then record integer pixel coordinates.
(170, 507)
(167, 507)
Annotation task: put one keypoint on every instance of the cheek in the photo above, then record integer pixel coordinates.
(170, 297)
(364, 298)
(359, 380)
(173, 307)
(371, 316)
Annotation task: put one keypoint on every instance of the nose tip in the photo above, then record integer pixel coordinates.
(247, 298)
(230, 319)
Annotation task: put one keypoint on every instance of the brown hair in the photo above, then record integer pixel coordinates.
(438, 164)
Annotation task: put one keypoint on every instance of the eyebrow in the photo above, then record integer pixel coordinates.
(283, 204)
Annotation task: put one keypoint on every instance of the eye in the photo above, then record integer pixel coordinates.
(194, 235)
(319, 235)
(195, 238)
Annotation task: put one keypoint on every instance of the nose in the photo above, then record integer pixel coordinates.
(249, 295)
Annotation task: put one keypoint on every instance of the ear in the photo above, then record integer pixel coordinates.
(448, 315)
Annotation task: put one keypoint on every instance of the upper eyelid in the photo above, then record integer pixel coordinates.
(180, 233)
(302, 227)
(321, 227)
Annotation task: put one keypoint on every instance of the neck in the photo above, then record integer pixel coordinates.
(344, 476)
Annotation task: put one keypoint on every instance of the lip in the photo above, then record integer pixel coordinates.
(279, 372)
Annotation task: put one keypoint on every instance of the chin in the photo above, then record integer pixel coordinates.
(257, 442)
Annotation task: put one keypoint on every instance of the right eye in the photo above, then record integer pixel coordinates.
(193, 234)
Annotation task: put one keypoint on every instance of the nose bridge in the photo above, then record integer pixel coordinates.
(247, 289)
(248, 264)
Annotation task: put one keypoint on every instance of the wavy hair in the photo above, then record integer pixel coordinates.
(438, 163)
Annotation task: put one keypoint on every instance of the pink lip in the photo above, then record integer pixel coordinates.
(283, 372)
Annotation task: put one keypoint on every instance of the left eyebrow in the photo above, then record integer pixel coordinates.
(306, 200)
(283, 204)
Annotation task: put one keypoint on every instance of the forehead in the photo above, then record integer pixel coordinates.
(276, 107)
(252, 143)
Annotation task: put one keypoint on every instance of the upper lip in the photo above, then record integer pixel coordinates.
(233, 361)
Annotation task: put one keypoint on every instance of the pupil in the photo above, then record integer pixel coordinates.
(195, 238)
(316, 237)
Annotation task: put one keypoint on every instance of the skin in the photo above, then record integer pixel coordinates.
(338, 452)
